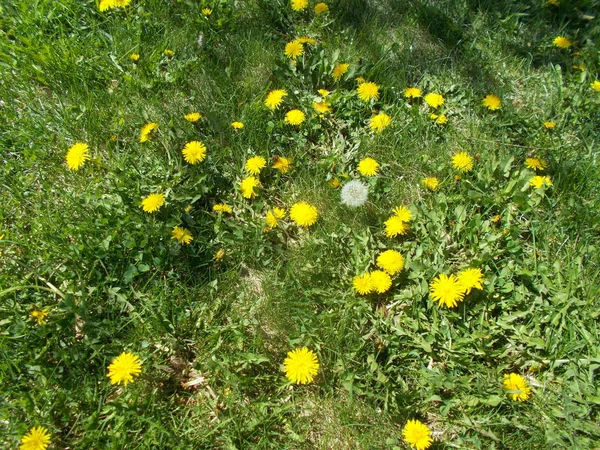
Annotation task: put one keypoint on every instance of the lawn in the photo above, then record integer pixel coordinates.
(257, 224)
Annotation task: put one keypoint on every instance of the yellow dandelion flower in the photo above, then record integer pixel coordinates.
(299, 5)
(516, 387)
(255, 164)
(38, 438)
(106, 4)
(294, 117)
(535, 164)
(293, 49)
(123, 368)
(335, 183)
(182, 235)
(391, 261)
(219, 254)
(368, 167)
(153, 202)
(321, 8)
(194, 152)
(134, 57)
(121, 3)
(412, 92)
(248, 186)
(237, 125)
(492, 102)
(40, 316)
(562, 42)
(304, 214)
(339, 71)
(324, 93)
(395, 226)
(362, 284)
(275, 98)
(206, 12)
(431, 183)
(380, 281)
(147, 131)
(193, 117)
(301, 366)
(380, 122)
(553, 3)
(434, 100)
(307, 40)
(447, 290)
(403, 213)
(322, 107)
(188, 208)
(273, 216)
(596, 85)
(169, 53)
(77, 155)
(367, 91)
(282, 164)
(580, 67)
(551, 125)
(462, 161)
(222, 207)
(439, 119)
(417, 435)
(470, 279)
(539, 181)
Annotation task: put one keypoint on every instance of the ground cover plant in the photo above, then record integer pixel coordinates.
(295, 224)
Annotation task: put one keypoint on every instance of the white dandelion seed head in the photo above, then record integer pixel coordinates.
(354, 193)
(200, 40)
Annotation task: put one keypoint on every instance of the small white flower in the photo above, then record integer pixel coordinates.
(354, 193)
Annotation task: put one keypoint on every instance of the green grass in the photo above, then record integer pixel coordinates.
(79, 244)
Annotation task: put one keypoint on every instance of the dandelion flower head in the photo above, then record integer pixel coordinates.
(538, 181)
(535, 164)
(147, 131)
(403, 213)
(193, 117)
(294, 49)
(470, 279)
(431, 183)
(194, 152)
(492, 102)
(339, 71)
(417, 435)
(38, 438)
(247, 186)
(447, 290)
(182, 235)
(255, 164)
(153, 202)
(273, 216)
(135, 57)
(282, 164)
(299, 5)
(380, 281)
(322, 107)
(515, 382)
(321, 8)
(562, 42)
(395, 226)
(324, 93)
(362, 284)
(77, 155)
(294, 117)
(412, 92)
(275, 98)
(222, 207)
(462, 161)
(439, 119)
(301, 366)
(391, 261)
(596, 85)
(367, 91)
(237, 125)
(40, 316)
(123, 368)
(304, 214)
(551, 125)
(354, 193)
(368, 167)
(169, 53)
(434, 100)
(380, 122)
(206, 12)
